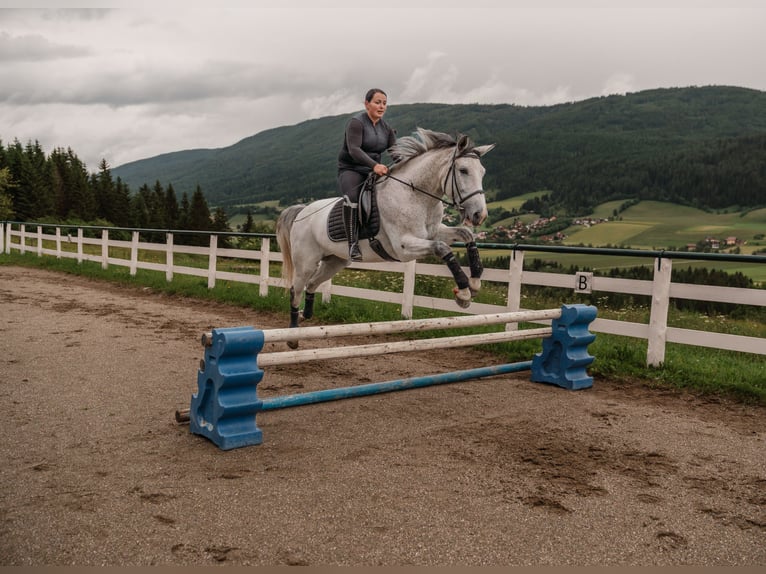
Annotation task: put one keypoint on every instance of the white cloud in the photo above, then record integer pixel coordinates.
(152, 77)
(619, 84)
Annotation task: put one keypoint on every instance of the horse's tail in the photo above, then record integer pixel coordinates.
(284, 225)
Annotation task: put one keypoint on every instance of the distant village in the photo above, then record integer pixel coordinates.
(520, 230)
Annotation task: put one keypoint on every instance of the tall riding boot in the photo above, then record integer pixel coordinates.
(351, 219)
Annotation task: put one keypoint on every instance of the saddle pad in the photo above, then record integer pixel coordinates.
(336, 230)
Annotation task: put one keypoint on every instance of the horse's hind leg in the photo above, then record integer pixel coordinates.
(295, 304)
(321, 272)
(327, 269)
(308, 305)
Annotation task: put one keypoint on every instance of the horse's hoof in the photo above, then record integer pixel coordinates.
(474, 284)
(292, 344)
(463, 303)
(462, 297)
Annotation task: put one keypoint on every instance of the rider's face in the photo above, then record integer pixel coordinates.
(376, 107)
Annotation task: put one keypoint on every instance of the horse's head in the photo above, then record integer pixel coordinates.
(463, 182)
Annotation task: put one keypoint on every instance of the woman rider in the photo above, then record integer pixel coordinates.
(367, 137)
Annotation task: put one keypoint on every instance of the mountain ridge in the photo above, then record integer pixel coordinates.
(590, 151)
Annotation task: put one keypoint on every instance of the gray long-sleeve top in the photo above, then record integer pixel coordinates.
(365, 143)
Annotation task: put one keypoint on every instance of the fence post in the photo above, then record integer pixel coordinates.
(22, 239)
(134, 254)
(39, 240)
(169, 257)
(58, 243)
(79, 244)
(211, 267)
(515, 269)
(2, 236)
(408, 289)
(104, 249)
(263, 289)
(658, 319)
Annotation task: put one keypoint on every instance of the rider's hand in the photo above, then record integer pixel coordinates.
(380, 169)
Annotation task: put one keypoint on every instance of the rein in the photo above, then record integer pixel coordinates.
(414, 187)
(455, 186)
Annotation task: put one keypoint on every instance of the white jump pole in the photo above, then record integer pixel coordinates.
(404, 326)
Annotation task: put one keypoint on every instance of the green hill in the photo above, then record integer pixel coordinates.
(701, 146)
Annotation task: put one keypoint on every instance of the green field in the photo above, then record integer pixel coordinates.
(515, 202)
(658, 225)
(654, 225)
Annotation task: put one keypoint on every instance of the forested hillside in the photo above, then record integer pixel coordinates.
(704, 147)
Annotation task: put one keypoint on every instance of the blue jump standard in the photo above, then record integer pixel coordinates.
(225, 407)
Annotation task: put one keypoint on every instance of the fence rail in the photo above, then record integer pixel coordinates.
(15, 236)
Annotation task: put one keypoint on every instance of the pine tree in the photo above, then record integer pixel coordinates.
(121, 204)
(199, 217)
(104, 192)
(31, 193)
(6, 202)
(172, 211)
(139, 211)
(221, 223)
(249, 224)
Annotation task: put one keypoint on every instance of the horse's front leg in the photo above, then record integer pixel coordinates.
(474, 262)
(454, 234)
(415, 248)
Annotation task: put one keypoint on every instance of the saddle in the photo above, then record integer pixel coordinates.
(369, 220)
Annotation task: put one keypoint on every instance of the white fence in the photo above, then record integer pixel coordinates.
(660, 289)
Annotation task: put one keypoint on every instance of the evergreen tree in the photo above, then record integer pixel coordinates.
(70, 183)
(139, 211)
(6, 202)
(221, 223)
(105, 192)
(121, 204)
(172, 211)
(249, 224)
(199, 217)
(199, 212)
(31, 193)
(83, 202)
(183, 218)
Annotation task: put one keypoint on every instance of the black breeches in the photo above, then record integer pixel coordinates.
(350, 183)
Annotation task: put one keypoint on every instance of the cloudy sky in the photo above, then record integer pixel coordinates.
(125, 81)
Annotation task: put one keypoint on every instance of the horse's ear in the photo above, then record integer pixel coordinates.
(462, 143)
(483, 149)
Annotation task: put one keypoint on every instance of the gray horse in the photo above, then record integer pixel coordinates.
(427, 166)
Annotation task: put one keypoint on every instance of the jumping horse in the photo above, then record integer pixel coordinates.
(406, 222)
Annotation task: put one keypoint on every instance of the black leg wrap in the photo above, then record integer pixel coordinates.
(308, 307)
(294, 316)
(457, 272)
(474, 261)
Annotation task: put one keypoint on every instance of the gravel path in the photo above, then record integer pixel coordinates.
(500, 471)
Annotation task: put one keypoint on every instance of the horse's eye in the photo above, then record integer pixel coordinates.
(463, 171)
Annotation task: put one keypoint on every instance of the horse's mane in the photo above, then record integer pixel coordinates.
(421, 141)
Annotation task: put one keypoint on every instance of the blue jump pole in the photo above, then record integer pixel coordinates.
(326, 395)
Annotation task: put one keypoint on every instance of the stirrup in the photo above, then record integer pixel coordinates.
(354, 254)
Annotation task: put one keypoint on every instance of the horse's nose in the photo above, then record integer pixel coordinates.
(474, 209)
(479, 217)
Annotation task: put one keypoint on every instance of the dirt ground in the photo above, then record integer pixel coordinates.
(500, 471)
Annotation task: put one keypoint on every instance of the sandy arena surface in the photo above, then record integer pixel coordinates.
(500, 471)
